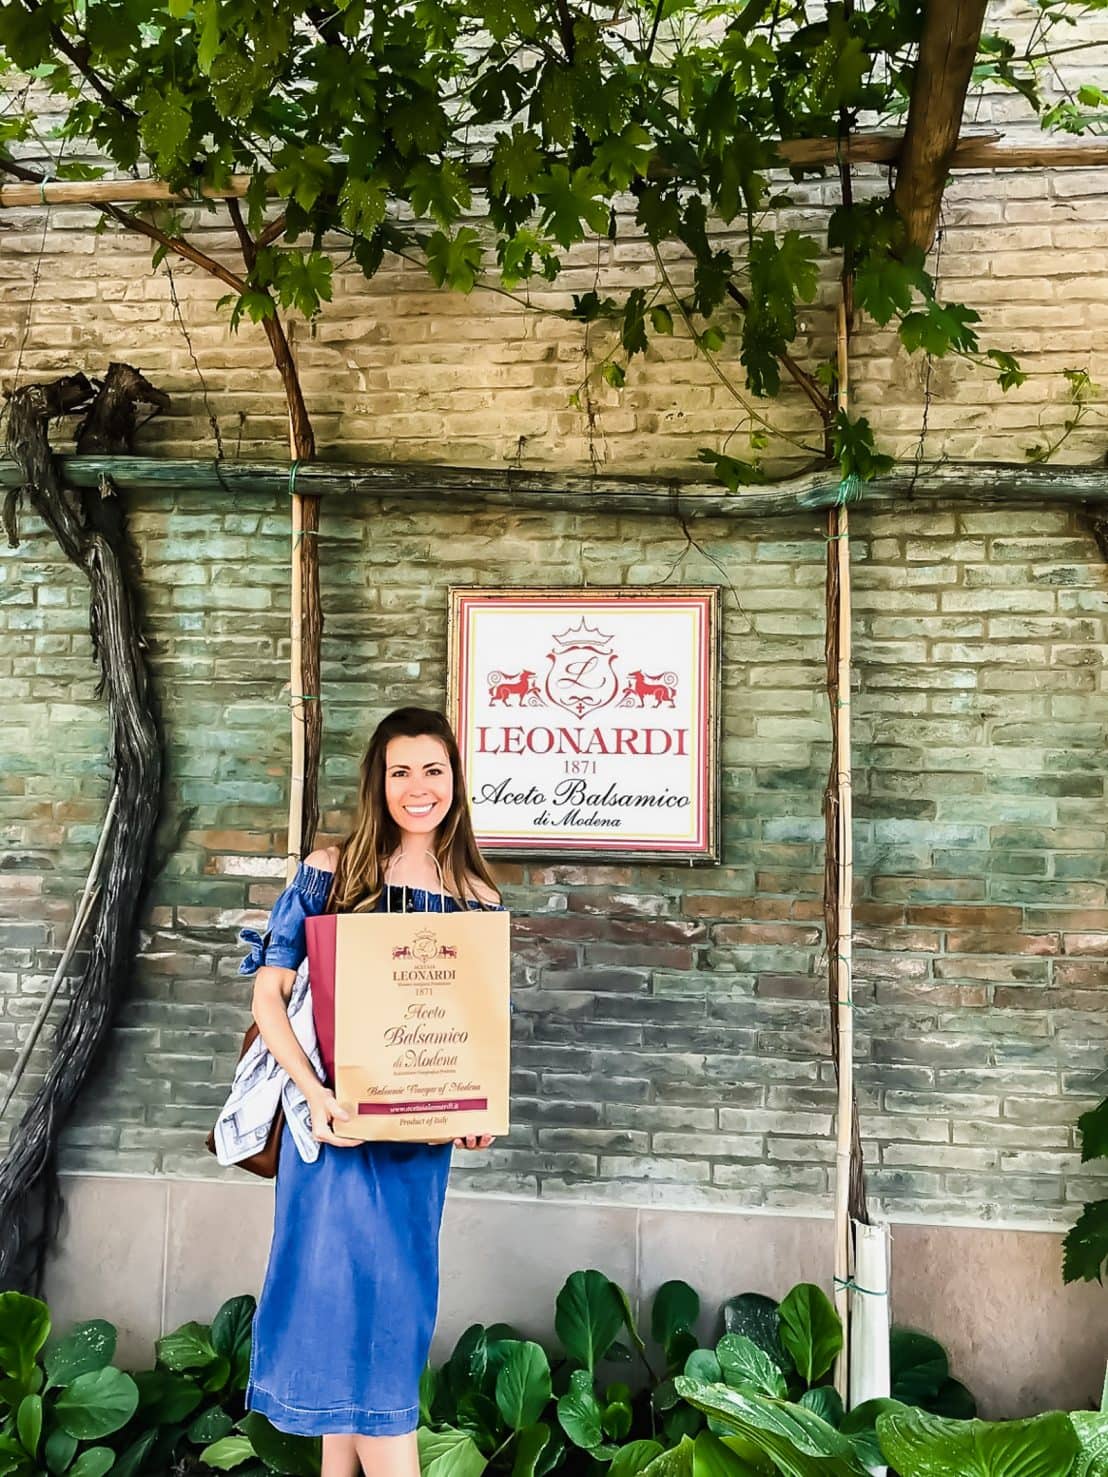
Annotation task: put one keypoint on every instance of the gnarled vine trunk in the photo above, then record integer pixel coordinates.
(90, 527)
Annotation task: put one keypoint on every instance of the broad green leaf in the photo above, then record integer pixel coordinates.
(94, 1461)
(579, 1412)
(363, 205)
(588, 1317)
(428, 1387)
(468, 1364)
(755, 1459)
(1091, 1427)
(1093, 1128)
(85, 1348)
(631, 1327)
(479, 1417)
(228, 1452)
(523, 1385)
(1009, 376)
(210, 1425)
(954, 1400)
(166, 125)
(454, 261)
(448, 1453)
(130, 1462)
(677, 1462)
(28, 1423)
(711, 1458)
(917, 1366)
(616, 1420)
(60, 1449)
(165, 1397)
(810, 1330)
(531, 1442)
(303, 280)
(232, 1328)
(884, 283)
(516, 162)
(633, 1458)
(187, 1347)
(919, 1444)
(675, 1310)
(860, 1424)
(827, 1403)
(623, 157)
(632, 333)
(744, 1364)
(752, 1313)
(303, 174)
(703, 1365)
(795, 1439)
(855, 449)
(940, 329)
(439, 191)
(24, 1328)
(207, 45)
(97, 1403)
(296, 1456)
(661, 320)
(569, 203)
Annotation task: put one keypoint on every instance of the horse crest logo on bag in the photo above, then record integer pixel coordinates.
(425, 947)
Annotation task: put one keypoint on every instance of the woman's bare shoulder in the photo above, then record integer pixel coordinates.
(482, 891)
(326, 859)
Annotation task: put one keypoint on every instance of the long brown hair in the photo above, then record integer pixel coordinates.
(363, 856)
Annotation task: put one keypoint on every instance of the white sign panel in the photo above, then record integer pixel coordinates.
(587, 719)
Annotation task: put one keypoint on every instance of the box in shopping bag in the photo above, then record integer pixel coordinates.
(412, 1016)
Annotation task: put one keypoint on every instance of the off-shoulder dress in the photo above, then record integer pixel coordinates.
(348, 1306)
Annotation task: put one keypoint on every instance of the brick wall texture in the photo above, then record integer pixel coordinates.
(671, 1035)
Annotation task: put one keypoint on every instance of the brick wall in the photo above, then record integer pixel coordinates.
(671, 1035)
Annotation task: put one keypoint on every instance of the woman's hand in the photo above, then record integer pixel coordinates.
(475, 1141)
(326, 1112)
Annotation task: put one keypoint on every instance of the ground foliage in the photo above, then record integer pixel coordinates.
(489, 138)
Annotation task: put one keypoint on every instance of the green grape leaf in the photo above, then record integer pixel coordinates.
(455, 260)
(516, 162)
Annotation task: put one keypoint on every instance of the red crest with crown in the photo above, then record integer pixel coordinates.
(581, 676)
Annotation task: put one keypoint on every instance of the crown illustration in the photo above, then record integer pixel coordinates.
(583, 634)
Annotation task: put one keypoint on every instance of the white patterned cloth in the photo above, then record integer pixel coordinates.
(260, 1084)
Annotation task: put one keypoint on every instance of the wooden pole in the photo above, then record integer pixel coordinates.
(296, 667)
(840, 962)
(981, 151)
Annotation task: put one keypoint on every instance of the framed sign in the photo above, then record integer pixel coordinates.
(588, 720)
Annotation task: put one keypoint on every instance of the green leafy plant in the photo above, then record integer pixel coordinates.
(1085, 1249)
(60, 1400)
(484, 141)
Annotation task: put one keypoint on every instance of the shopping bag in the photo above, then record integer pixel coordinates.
(412, 1018)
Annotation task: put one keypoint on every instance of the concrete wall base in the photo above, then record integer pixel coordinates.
(150, 1254)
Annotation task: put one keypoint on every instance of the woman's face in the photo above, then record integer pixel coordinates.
(419, 783)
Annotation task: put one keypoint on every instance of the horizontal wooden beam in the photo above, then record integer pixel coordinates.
(981, 151)
(426, 483)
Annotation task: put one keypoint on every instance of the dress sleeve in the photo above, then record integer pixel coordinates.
(284, 944)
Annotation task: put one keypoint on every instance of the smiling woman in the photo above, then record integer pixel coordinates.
(345, 1318)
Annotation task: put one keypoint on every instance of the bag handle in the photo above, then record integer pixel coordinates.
(404, 894)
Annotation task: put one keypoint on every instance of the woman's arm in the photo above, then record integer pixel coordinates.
(272, 988)
(269, 1007)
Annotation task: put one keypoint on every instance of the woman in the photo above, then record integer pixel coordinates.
(346, 1314)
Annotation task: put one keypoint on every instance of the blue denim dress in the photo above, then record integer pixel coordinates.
(347, 1310)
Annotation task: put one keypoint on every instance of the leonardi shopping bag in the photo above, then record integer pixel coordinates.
(412, 1017)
